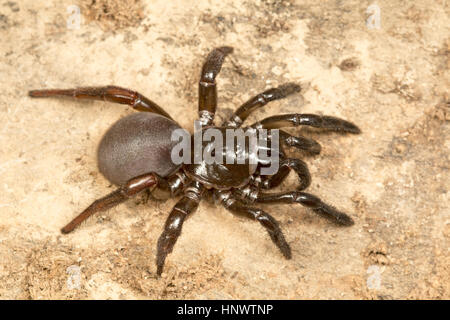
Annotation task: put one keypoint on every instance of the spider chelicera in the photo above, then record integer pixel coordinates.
(135, 154)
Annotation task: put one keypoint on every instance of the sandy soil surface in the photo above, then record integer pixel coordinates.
(393, 179)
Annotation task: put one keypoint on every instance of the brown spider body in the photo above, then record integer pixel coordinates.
(135, 153)
(220, 175)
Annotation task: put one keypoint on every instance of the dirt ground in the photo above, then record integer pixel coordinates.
(391, 79)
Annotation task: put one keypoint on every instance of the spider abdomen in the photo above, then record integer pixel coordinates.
(137, 144)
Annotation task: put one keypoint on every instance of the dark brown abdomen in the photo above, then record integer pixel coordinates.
(137, 144)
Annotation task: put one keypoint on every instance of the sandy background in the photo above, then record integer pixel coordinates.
(393, 179)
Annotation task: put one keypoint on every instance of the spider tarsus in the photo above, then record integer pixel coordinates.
(310, 146)
(213, 63)
(68, 228)
(49, 93)
(65, 231)
(351, 128)
(163, 251)
(274, 230)
(345, 220)
(288, 89)
(340, 125)
(280, 92)
(334, 215)
(283, 245)
(226, 50)
(287, 253)
(159, 270)
(37, 93)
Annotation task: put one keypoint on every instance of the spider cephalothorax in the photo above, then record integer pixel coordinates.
(135, 154)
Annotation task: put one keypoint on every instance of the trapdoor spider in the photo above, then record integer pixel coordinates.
(135, 154)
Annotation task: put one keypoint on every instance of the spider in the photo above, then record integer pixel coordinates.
(135, 155)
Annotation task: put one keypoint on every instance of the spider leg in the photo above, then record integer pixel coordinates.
(174, 223)
(108, 93)
(128, 190)
(307, 200)
(286, 165)
(259, 101)
(207, 91)
(313, 120)
(239, 208)
(300, 142)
